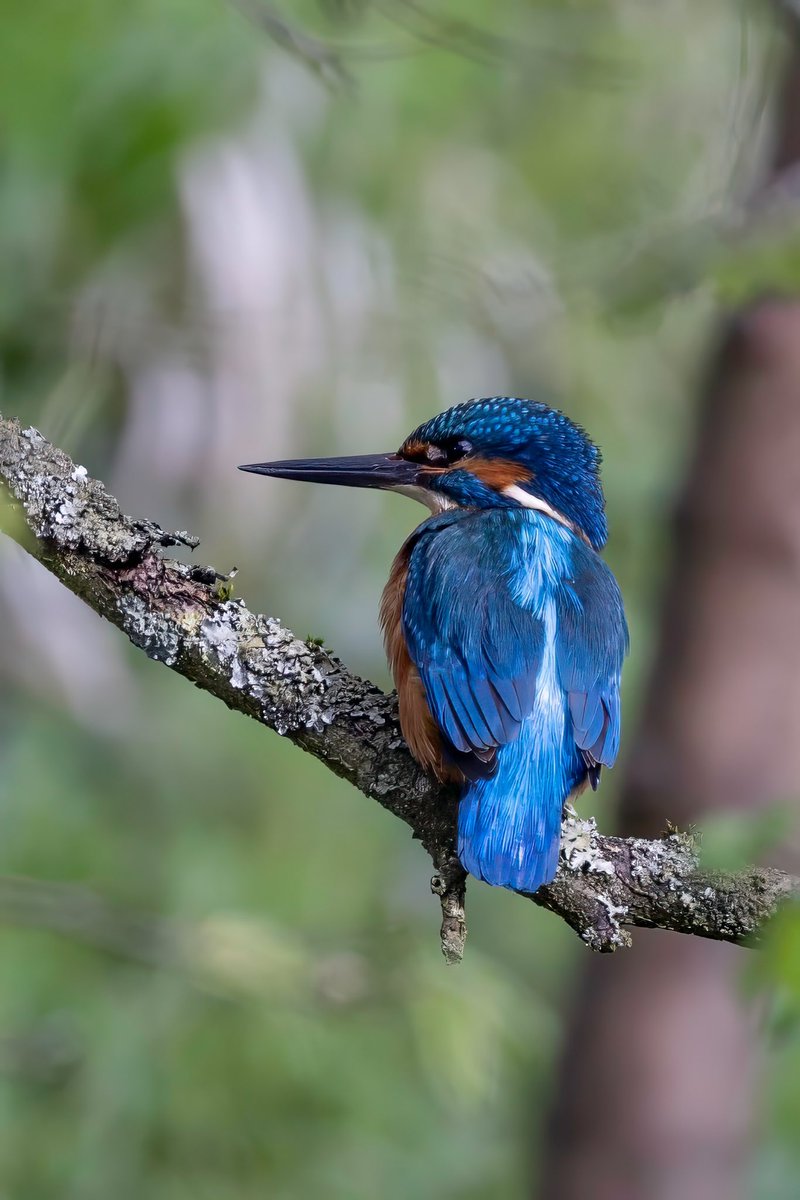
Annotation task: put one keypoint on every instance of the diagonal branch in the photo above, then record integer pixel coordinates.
(181, 615)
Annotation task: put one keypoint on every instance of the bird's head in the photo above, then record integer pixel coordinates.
(500, 452)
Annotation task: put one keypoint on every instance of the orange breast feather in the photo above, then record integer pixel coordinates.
(418, 726)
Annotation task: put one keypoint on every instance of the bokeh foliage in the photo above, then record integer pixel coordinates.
(228, 231)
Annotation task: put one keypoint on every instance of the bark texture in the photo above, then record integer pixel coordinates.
(184, 617)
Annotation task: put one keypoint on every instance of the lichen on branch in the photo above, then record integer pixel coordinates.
(178, 614)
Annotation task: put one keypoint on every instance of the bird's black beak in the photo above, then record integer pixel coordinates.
(361, 470)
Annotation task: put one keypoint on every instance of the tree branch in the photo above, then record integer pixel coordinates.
(182, 616)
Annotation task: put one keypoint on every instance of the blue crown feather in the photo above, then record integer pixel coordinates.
(564, 464)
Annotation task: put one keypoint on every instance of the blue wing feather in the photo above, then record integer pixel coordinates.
(592, 642)
(477, 651)
(517, 631)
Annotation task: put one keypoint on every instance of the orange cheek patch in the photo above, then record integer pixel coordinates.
(414, 449)
(497, 473)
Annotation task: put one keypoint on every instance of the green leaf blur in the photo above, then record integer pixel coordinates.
(221, 974)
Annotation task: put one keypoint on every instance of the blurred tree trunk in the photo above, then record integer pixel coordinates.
(659, 1083)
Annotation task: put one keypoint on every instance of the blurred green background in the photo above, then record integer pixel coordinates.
(230, 232)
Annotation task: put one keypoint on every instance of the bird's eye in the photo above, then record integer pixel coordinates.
(458, 448)
(436, 454)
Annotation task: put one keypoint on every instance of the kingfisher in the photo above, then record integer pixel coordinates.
(504, 628)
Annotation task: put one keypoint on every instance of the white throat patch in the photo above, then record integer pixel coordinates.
(437, 502)
(528, 501)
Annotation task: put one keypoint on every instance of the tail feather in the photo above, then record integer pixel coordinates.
(509, 825)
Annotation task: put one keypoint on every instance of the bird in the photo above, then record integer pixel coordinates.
(504, 629)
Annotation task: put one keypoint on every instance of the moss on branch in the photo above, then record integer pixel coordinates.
(178, 615)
